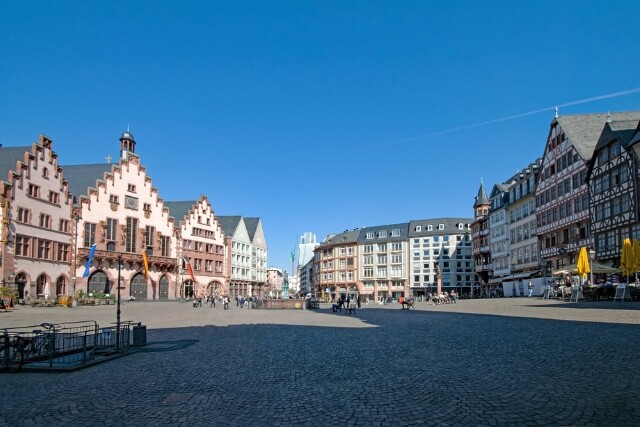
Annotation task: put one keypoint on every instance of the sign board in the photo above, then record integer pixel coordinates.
(621, 292)
(547, 291)
(575, 290)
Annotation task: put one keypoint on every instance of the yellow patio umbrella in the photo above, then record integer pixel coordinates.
(626, 258)
(583, 262)
(635, 244)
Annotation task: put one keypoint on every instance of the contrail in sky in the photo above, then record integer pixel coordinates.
(503, 119)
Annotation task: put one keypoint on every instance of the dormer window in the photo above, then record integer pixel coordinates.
(395, 233)
(370, 235)
(382, 234)
(418, 228)
(440, 226)
(429, 227)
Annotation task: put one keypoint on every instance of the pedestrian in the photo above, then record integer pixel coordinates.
(225, 302)
(358, 300)
(237, 301)
(213, 301)
(530, 287)
(348, 300)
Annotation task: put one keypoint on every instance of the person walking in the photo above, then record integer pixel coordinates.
(213, 302)
(530, 287)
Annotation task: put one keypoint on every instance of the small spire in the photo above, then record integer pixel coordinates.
(556, 112)
(128, 127)
(608, 117)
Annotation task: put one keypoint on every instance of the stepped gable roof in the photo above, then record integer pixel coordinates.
(179, 209)
(9, 156)
(229, 224)
(451, 226)
(584, 129)
(83, 177)
(252, 226)
(481, 198)
(403, 227)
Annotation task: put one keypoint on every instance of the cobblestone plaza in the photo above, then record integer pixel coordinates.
(479, 362)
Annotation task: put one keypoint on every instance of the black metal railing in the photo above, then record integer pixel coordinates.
(63, 345)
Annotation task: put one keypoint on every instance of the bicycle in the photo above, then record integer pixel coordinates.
(16, 349)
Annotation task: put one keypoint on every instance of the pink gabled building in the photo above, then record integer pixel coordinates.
(118, 209)
(35, 254)
(201, 246)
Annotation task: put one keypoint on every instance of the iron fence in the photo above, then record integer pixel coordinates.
(63, 345)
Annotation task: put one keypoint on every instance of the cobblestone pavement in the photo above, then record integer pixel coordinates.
(512, 362)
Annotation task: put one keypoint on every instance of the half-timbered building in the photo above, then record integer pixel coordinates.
(562, 197)
(612, 179)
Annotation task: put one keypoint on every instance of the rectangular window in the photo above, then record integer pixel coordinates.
(33, 190)
(63, 252)
(370, 235)
(63, 226)
(22, 245)
(382, 247)
(111, 229)
(131, 188)
(54, 197)
(164, 246)
(45, 221)
(131, 235)
(382, 259)
(89, 234)
(44, 249)
(149, 235)
(396, 247)
(113, 198)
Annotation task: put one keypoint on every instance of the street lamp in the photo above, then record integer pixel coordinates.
(76, 218)
(118, 307)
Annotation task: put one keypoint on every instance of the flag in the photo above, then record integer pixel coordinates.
(146, 264)
(88, 268)
(189, 269)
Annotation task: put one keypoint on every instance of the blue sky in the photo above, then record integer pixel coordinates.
(306, 113)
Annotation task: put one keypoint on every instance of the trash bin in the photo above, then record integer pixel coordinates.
(140, 334)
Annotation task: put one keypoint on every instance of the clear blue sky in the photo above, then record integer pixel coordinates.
(304, 113)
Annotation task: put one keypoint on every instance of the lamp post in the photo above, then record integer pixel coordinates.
(76, 218)
(592, 255)
(118, 306)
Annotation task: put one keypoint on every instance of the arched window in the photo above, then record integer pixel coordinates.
(42, 286)
(61, 285)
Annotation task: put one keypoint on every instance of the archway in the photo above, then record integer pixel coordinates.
(139, 287)
(214, 288)
(187, 289)
(42, 286)
(21, 281)
(98, 282)
(164, 288)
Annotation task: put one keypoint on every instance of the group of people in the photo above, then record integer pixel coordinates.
(211, 300)
(444, 297)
